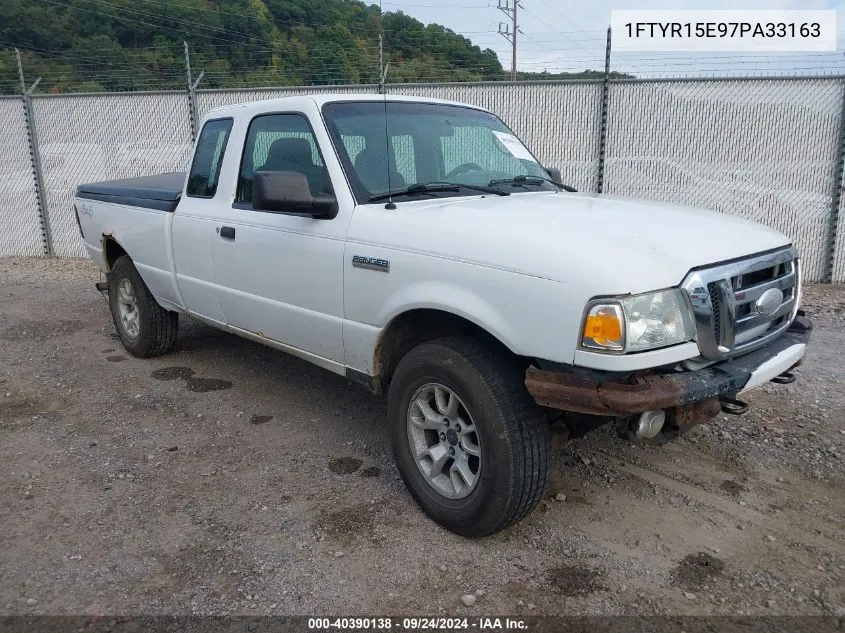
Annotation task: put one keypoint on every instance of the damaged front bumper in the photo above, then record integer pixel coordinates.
(693, 395)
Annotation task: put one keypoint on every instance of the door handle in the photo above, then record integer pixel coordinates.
(227, 232)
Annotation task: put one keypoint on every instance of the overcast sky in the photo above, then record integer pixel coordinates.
(570, 35)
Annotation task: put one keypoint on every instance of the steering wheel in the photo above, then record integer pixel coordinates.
(463, 168)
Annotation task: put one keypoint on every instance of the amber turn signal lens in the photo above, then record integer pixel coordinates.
(603, 328)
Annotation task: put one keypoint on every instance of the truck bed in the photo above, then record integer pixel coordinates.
(160, 192)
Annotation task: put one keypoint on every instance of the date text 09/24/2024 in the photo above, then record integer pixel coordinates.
(417, 624)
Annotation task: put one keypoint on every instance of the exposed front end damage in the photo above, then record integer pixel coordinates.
(684, 398)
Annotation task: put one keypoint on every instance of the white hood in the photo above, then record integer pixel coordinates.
(622, 245)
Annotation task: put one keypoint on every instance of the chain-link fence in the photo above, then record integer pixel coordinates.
(87, 138)
(20, 224)
(765, 149)
(838, 230)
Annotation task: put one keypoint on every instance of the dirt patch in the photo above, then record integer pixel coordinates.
(696, 569)
(40, 330)
(344, 465)
(347, 524)
(732, 487)
(574, 580)
(102, 515)
(16, 406)
(115, 359)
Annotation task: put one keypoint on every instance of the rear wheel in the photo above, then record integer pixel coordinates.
(469, 441)
(145, 328)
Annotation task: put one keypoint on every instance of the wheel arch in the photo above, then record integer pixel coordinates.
(415, 326)
(112, 250)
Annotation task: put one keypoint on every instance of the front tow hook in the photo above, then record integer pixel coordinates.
(732, 406)
(785, 378)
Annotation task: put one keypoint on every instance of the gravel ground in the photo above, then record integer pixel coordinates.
(250, 482)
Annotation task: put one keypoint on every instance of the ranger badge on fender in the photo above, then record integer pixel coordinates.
(371, 263)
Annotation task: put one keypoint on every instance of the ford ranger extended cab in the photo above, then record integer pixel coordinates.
(419, 248)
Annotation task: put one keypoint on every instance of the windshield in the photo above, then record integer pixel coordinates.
(428, 143)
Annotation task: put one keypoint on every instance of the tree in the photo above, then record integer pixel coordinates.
(138, 44)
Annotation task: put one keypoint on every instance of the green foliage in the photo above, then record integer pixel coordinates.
(115, 45)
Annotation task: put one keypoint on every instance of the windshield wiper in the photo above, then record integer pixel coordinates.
(530, 180)
(432, 188)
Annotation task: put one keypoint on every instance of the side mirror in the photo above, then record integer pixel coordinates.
(289, 192)
(554, 173)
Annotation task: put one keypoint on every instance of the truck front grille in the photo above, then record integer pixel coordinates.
(742, 305)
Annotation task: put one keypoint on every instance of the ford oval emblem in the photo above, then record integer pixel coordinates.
(769, 302)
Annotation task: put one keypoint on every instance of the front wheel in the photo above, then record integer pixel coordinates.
(144, 327)
(469, 441)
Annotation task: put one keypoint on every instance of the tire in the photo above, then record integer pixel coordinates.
(152, 330)
(510, 432)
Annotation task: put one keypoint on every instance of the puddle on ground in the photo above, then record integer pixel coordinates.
(260, 419)
(204, 385)
(197, 385)
(115, 359)
(172, 373)
(371, 471)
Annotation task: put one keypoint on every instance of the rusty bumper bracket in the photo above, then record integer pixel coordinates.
(570, 391)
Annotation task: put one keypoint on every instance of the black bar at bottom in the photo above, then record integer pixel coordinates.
(458, 622)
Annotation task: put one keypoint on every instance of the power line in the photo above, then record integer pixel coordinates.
(570, 22)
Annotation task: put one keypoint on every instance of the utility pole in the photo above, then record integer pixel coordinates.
(510, 31)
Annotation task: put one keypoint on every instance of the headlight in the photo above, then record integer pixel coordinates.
(635, 324)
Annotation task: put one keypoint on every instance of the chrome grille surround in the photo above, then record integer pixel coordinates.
(732, 316)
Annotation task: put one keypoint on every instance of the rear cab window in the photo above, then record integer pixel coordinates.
(208, 159)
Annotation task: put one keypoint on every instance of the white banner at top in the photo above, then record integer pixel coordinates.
(723, 31)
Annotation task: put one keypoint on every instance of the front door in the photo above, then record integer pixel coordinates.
(280, 277)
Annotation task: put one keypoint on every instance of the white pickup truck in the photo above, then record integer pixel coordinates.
(419, 248)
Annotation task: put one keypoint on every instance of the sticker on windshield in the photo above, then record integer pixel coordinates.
(512, 144)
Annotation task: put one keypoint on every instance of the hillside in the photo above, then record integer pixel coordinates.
(94, 45)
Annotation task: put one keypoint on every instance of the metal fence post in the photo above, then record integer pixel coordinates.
(605, 93)
(192, 94)
(38, 177)
(836, 198)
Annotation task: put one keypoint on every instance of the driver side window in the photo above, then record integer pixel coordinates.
(281, 142)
